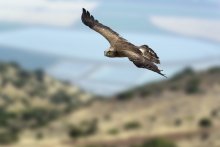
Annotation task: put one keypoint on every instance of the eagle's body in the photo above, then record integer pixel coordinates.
(141, 56)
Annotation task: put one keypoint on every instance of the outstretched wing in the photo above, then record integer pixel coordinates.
(94, 24)
(149, 54)
(142, 62)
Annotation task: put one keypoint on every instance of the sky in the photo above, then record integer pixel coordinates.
(49, 34)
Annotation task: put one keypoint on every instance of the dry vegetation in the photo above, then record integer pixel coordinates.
(30, 100)
(183, 111)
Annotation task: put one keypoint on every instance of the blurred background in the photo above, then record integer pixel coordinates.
(58, 89)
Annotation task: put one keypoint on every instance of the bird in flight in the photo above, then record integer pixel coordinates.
(142, 56)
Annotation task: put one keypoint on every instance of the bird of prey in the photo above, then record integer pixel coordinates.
(142, 56)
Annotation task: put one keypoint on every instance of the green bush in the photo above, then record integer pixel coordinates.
(91, 128)
(61, 97)
(178, 122)
(132, 125)
(86, 129)
(13, 64)
(215, 113)
(23, 74)
(75, 132)
(3, 67)
(125, 96)
(8, 137)
(214, 70)
(19, 83)
(113, 131)
(5, 118)
(205, 123)
(192, 85)
(38, 90)
(39, 135)
(39, 74)
(37, 117)
(158, 142)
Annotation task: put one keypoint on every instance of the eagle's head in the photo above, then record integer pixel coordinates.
(109, 53)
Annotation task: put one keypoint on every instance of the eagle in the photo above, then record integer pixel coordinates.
(142, 56)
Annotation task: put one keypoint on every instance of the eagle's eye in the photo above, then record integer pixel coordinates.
(109, 53)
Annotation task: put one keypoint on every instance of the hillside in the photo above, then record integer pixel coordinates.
(184, 109)
(32, 99)
(186, 81)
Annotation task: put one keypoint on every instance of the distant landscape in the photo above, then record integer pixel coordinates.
(31, 100)
(57, 89)
(38, 110)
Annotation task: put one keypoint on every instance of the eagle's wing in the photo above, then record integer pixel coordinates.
(105, 31)
(149, 54)
(142, 62)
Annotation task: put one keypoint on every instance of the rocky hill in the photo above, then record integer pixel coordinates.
(186, 81)
(182, 111)
(32, 99)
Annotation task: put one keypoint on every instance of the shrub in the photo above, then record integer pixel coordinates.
(23, 74)
(215, 113)
(113, 131)
(38, 90)
(85, 129)
(125, 96)
(205, 123)
(214, 70)
(75, 132)
(91, 127)
(39, 75)
(8, 137)
(3, 67)
(178, 122)
(192, 85)
(61, 97)
(14, 64)
(158, 142)
(5, 118)
(19, 83)
(132, 125)
(37, 117)
(39, 135)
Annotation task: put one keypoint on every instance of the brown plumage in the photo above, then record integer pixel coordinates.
(142, 56)
(149, 54)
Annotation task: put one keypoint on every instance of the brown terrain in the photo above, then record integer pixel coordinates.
(184, 110)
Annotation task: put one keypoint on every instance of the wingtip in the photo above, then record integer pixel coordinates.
(83, 10)
(163, 75)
